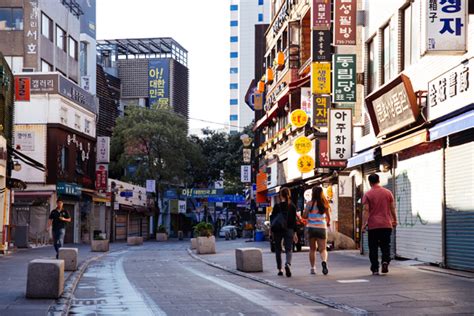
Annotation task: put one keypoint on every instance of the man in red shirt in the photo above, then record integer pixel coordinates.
(379, 218)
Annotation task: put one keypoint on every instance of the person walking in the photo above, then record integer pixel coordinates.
(318, 214)
(58, 220)
(283, 224)
(379, 218)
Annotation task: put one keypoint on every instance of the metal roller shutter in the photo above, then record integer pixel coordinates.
(145, 229)
(121, 227)
(419, 191)
(459, 190)
(134, 225)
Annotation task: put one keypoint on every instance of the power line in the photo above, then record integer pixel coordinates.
(216, 123)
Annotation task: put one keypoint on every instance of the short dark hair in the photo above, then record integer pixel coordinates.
(59, 200)
(374, 178)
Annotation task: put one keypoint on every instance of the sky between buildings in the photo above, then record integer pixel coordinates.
(201, 27)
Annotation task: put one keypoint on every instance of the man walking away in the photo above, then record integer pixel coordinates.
(379, 218)
(58, 219)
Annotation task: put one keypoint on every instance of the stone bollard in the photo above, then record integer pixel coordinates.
(69, 255)
(45, 278)
(249, 259)
(193, 243)
(134, 241)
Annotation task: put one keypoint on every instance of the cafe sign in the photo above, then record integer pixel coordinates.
(393, 106)
(298, 118)
(450, 91)
(303, 145)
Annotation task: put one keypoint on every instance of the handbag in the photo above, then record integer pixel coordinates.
(279, 223)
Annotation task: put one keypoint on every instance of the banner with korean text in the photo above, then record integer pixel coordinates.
(340, 134)
(158, 82)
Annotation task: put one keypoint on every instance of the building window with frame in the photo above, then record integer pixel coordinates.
(46, 26)
(389, 36)
(72, 48)
(11, 19)
(234, 54)
(260, 17)
(83, 59)
(234, 23)
(77, 122)
(234, 70)
(234, 86)
(61, 38)
(64, 158)
(87, 126)
(411, 35)
(372, 66)
(63, 115)
(45, 66)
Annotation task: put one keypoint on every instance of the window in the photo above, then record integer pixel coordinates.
(234, 86)
(83, 59)
(234, 117)
(260, 2)
(234, 7)
(234, 101)
(63, 115)
(372, 66)
(234, 70)
(11, 19)
(72, 48)
(46, 27)
(260, 17)
(64, 158)
(15, 63)
(77, 122)
(411, 36)
(45, 66)
(234, 39)
(389, 51)
(234, 54)
(87, 126)
(61, 38)
(234, 23)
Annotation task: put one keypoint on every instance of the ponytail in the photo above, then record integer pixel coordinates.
(285, 193)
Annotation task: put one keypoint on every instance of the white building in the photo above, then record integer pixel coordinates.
(244, 15)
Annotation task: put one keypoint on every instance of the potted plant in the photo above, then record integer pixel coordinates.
(100, 243)
(205, 240)
(162, 234)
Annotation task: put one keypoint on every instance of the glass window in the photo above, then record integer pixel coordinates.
(234, 70)
(46, 26)
(234, 23)
(234, 7)
(234, 54)
(373, 65)
(45, 66)
(260, 2)
(260, 17)
(234, 101)
(234, 86)
(234, 117)
(386, 54)
(77, 122)
(234, 39)
(72, 48)
(61, 38)
(411, 37)
(83, 59)
(64, 158)
(63, 115)
(11, 19)
(87, 126)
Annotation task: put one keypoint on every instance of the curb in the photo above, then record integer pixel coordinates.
(314, 298)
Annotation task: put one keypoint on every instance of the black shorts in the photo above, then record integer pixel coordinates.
(319, 233)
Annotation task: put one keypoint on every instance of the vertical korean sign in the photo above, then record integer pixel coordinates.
(31, 33)
(321, 106)
(345, 22)
(321, 14)
(321, 78)
(321, 46)
(158, 82)
(103, 149)
(22, 89)
(345, 78)
(446, 25)
(306, 104)
(340, 134)
(245, 173)
(101, 177)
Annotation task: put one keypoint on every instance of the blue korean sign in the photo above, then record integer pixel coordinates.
(227, 198)
(201, 193)
(446, 25)
(158, 82)
(171, 194)
(126, 194)
(68, 189)
(88, 18)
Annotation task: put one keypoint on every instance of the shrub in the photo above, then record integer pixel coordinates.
(203, 230)
(162, 229)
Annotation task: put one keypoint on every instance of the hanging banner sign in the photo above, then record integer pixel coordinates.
(321, 78)
(158, 82)
(321, 45)
(323, 156)
(103, 149)
(345, 22)
(303, 145)
(247, 154)
(321, 106)
(257, 101)
(446, 25)
(245, 173)
(101, 177)
(340, 134)
(321, 14)
(345, 78)
(298, 118)
(22, 89)
(305, 164)
(306, 104)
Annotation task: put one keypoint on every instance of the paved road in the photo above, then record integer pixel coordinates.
(161, 278)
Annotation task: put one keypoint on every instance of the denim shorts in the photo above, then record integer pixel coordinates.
(319, 233)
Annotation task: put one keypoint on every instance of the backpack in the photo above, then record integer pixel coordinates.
(279, 222)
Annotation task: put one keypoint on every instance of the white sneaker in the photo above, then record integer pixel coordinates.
(313, 271)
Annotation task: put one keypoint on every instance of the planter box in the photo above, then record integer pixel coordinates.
(206, 245)
(134, 241)
(161, 236)
(193, 243)
(99, 245)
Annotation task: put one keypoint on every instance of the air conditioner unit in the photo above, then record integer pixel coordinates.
(28, 69)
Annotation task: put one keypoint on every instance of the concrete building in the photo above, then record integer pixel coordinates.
(244, 15)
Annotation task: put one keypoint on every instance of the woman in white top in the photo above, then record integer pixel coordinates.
(317, 213)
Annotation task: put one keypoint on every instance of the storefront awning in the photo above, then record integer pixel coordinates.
(362, 158)
(411, 140)
(453, 125)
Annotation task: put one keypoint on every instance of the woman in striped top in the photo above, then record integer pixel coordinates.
(317, 213)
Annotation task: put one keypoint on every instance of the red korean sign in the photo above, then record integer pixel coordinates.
(22, 89)
(345, 22)
(321, 14)
(101, 175)
(323, 156)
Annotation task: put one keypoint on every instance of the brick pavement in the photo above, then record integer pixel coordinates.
(409, 288)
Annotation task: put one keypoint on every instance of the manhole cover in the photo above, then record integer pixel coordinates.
(420, 304)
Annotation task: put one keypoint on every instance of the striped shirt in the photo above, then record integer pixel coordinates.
(315, 219)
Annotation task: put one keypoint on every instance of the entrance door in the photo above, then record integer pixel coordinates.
(69, 238)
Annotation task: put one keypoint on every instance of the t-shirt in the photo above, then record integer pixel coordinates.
(288, 211)
(379, 200)
(57, 223)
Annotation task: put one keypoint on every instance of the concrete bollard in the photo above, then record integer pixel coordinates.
(69, 255)
(134, 241)
(45, 278)
(193, 243)
(249, 259)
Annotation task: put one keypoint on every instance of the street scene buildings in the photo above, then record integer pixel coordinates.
(322, 93)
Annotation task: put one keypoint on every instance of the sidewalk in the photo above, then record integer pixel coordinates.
(13, 274)
(409, 288)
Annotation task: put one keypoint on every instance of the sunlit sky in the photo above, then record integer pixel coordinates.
(201, 27)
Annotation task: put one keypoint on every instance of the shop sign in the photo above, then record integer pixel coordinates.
(150, 186)
(345, 78)
(322, 41)
(76, 94)
(321, 78)
(298, 118)
(245, 173)
(305, 164)
(201, 193)
(247, 154)
(321, 106)
(306, 104)
(323, 160)
(25, 141)
(446, 25)
(345, 22)
(282, 16)
(272, 175)
(303, 145)
(227, 198)
(22, 89)
(257, 101)
(68, 189)
(31, 28)
(41, 84)
(158, 82)
(103, 149)
(181, 207)
(340, 134)
(261, 181)
(170, 194)
(450, 91)
(393, 106)
(321, 14)
(101, 176)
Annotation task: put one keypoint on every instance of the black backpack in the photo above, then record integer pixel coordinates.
(278, 221)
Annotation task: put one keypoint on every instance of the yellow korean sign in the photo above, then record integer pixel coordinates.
(298, 118)
(303, 145)
(321, 78)
(305, 164)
